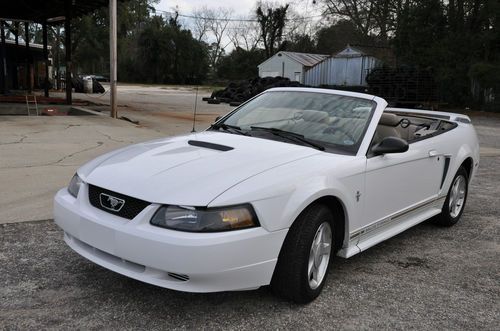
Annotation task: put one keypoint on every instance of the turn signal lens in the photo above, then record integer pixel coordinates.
(205, 219)
(74, 185)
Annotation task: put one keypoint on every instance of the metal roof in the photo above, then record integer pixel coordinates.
(306, 59)
(41, 10)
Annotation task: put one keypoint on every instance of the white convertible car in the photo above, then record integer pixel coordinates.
(270, 192)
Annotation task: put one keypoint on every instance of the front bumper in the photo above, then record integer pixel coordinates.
(191, 262)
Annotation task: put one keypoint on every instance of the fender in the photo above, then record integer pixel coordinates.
(296, 185)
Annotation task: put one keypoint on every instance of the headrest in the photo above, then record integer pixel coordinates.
(389, 119)
(315, 116)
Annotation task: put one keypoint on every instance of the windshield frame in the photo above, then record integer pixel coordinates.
(329, 147)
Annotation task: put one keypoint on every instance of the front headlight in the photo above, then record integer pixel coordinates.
(193, 219)
(74, 185)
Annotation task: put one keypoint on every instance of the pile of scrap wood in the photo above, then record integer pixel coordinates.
(238, 92)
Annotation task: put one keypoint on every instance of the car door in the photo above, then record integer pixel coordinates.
(396, 183)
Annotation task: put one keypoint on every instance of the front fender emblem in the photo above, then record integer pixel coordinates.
(358, 195)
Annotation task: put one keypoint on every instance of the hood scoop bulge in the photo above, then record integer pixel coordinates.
(208, 145)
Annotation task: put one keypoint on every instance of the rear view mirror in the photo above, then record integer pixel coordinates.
(390, 145)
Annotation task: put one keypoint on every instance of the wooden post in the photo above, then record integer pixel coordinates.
(45, 58)
(3, 69)
(67, 47)
(112, 57)
(28, 56)
(58, 58)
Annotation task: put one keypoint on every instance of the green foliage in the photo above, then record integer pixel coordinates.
(334, 38)
(486, 74)
(150, 49)
(240, 64)
(302, 43)
(166, 53)
(90, 43)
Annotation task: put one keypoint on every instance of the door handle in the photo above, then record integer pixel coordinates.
(433, 153)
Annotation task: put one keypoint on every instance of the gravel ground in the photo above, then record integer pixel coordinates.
(425, 278)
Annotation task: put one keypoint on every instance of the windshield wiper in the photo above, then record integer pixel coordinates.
(290, 136)
(230, 128)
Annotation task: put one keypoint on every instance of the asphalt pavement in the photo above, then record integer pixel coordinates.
(426, 278)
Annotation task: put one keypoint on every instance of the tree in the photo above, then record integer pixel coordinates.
(168, 53)
(245, 34)
(211, 26)
(334, 38)
(201, 24)
(90, 43)
(272, 23)
(371, 17)
(302, 43)
(240, 64)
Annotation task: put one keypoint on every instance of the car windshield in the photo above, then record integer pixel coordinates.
(335, 122)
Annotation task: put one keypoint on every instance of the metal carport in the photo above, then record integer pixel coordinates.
(52, 12)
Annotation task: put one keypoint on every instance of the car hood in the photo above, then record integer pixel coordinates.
(188, 170)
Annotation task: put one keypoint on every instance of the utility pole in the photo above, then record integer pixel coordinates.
(112, 56)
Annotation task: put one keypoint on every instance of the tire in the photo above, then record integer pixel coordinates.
(291, 278)
(451, 215)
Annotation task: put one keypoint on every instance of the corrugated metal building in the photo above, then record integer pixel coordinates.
(348, 68)
(290, 64)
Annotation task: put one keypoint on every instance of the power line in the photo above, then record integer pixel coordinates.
(233, 19)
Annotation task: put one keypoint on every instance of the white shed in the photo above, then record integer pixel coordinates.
(292, 65)
(348, 67)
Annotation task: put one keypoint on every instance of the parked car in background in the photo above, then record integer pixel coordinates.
(270, 192)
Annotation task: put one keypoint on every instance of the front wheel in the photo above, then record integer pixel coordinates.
(304, 259)
(455, 201)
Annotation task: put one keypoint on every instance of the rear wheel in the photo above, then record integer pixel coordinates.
(455, 201)
(304, 259)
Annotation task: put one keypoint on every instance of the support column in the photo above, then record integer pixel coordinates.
(67, 47)
(3, 64)
(112, 57)
(15, 79)
(29, 88)
(45, 58)
(58, 57)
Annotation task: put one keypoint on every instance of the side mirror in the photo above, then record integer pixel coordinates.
(217, 118)
(390, 145)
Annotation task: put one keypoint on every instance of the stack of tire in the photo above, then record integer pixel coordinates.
(402, 84)
(240, 91)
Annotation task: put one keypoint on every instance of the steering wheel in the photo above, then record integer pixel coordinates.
(404, 123)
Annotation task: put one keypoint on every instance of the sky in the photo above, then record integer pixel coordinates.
(240, 7)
